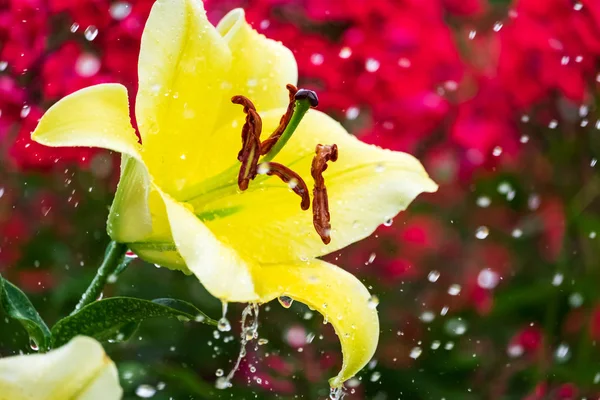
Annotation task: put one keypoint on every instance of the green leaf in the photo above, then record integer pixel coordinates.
(116, 318)
(17, 306)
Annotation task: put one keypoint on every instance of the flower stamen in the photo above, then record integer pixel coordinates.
(320, 205)
(294, 181)
(250, 152)
(268, 143)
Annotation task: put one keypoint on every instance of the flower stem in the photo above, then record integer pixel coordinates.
(112, 259)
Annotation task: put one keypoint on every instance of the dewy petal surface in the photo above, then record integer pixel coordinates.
(260, 67)
(79, 370)
(338, 295)
(97, 116)
(218, 267)
(182, 68)
(367, 186)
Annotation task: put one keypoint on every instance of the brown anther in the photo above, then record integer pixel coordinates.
(250, 152)
(268, 143)
(294, 180)
(320, 205)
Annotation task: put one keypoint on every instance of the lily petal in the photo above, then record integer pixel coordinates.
(338, 295)
(218, 267)
(260, 68)
(367, 186)
(97, 116)
(78, 370)
(182, 66)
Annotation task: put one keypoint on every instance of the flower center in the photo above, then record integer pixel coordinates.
(252, 148)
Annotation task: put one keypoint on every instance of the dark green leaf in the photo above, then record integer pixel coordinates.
(116, 318)
(17, 306)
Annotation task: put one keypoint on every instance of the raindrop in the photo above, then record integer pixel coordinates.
(575, 300)
(597, 378)
(497, 151)
(388, 222)
(3, 65)
(454, 289)
(533, 202)
(161, 385)
(372, 65)
(145, 391)
(90, 33)
(415, 353)
(472, 34)
(25, 111)
(584, 123)
(373, 302)
(352, 113)
(435, 345)
(482, 232)
(577, 6)
(263, 168)
(87, 65)
(219, 372)
(488, 279)
(433, 276)
(33, 344)
(427, 316)
(498, 26)
(74, 27)
(553, 124)
(524, 139)
(592, 234)
(593, 162)
(517, 233)
(515, 350)
(222, 383)
(557, 279)
(223, 324)
(444, 310)
(562, 352)
(375, 376)
(345, 52)
(583, 110)
(317, 59)
(456, 327)
(525, 118)
(262, 341)
(336, 393)
(120, 10)
(285, 301)
(449, 346)
(483, 201)
(369, 261)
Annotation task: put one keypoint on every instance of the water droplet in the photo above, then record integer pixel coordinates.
(456, 326)
(219, 372)
(433, 276)
(553, 124)
(517, 233)
(130, 254)
(482, 232)
(444, 310)
(33, 344)
(597, 378)
(222, 383)
(317, 59)
(449, 346)
(427, 316)
(515, 350)
(25, 111)
(262, 341)
(577, 6)
(87, 65)
(435, 345)
(497, 151)
(557, 279)
(375, 376)
(388, 222)
(533, 202)
(74, 27)
(575, 300)
(562, 352)
(369, 261)
(263, 168)
(345, 52)
(285, 301)
(90, 33)
(336, 393)
(373, 302)
(592, 234)
(352, 113)
(415, 352)
(525, 118)
(593, 162)
(483, 201)
(498, 26)
(472, 34)
(524, 139)
(454, 289)
(372, 65)
(145, 391)
(488, 279)
(120, 10)
(3, 65)
(379, 167)
(223, 325)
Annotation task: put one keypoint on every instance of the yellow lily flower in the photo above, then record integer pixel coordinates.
(79, 370)
(180, 202)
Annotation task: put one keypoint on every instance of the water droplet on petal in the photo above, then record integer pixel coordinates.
(33, 344)
(90, 33)
(285, 301)
(373, 302)
(388, 222)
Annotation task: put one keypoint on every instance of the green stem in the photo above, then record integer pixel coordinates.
(302, 106)
(112, 259)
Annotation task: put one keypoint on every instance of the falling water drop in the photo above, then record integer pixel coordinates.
(120, 10)
(482, 232)
(415, 352)
(223, 324)
(33, 344)
(373, 302)
(454, 289)
(219, 372)
(74, 27)
(145, 391)
(285, 301)
(388, 222)
(90, 33)
(433, 276)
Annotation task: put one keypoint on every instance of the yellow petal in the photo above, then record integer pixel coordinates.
(97, 116)
(367, 186)
(339, 296)
(79, 370)
(260, 68)
(182, 68)
(218, 267)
